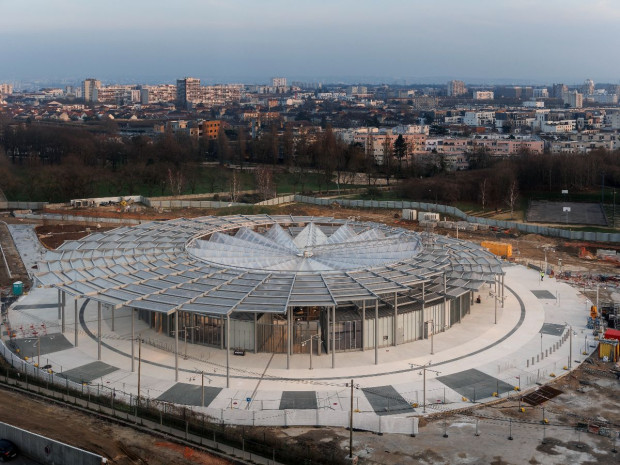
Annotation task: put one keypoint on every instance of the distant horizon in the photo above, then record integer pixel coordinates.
(478, 41)
(42, 82)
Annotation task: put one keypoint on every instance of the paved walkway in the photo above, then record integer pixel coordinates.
(471, 361)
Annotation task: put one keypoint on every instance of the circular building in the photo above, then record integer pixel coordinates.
(279, 284)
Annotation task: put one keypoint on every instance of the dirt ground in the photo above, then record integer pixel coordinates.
(13, 260)
(120, 445)
(585, 398)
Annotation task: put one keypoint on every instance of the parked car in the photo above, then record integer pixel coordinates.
(8, 450)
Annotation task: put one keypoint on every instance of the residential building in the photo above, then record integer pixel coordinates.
(573, 99)
(210, 129)
(479, 118)
(558, 90)
(6, 89)
(484, 95)
(541, 93)
(456, 88)
(158, 94)
(90, 90)
(588, 87)
(278, 82)
(188, 91)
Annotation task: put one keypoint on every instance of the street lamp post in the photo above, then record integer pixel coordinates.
(431, 324)
(303, 343)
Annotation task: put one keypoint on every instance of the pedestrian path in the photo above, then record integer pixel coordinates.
(474, 361)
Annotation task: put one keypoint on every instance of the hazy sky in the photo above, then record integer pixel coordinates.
(251, 40)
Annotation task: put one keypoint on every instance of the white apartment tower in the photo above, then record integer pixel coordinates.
(456, 88)
(90, 89)
(278, 82)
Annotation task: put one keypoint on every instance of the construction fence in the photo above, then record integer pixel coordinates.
(455, 212)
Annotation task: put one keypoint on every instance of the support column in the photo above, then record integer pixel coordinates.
(133, 340)
(445, 307)
(113, 308)
(395, 325)
(176, 345)
(222, 333)
(98, 330)
(288, 338)
(329, 344)
(64, 303)
(228, 350)
(377, 332)
(503, 289)
(363, 324)
(76, 321)
(255, 332)
(334, 336)
(59, 304)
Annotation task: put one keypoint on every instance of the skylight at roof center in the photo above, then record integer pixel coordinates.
(312, 249)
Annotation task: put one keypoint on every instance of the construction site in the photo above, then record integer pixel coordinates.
(481, 401)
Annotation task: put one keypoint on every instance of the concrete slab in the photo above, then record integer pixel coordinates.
(298, 400)
(474, 384)
(553, 329)
(543, 294)
(89, 372)
(385, 400)
(541, 211)
(189, 394)
(49, 344)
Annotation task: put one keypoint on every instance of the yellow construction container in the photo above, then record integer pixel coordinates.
(498, 248)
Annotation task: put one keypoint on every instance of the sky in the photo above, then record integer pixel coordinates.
(408, 41)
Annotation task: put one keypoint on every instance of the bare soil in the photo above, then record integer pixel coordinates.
(120, 445)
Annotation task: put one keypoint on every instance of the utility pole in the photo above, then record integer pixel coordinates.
(139, 365)
(570, 347)
(351, 425)
(424, 367)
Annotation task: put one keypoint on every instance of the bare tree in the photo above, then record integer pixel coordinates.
(483, 193)
(234, 186)
(513, 195)
(176, 181)
(264, 181)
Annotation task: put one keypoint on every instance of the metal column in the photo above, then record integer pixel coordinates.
(395, 325)
(255, 333)
(98, 330)
(329, 344)
(59, 304)
(377, 332)
(176, 345)
(113, 308)
(222, 333)
(334, 336)
(64, 302)
(363, 323)
(228, 350)
(133, 339)
(288, 338)
(76, 321)
(503, 289)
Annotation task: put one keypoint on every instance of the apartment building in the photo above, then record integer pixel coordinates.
(6, 89)
(158, 94)
(479, 118)
(456, 88)
(90, 90)
(484, 95)
(188, 91)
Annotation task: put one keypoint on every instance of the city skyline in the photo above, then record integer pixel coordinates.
(413, 42)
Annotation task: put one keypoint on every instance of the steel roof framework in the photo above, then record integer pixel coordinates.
(159, 266)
